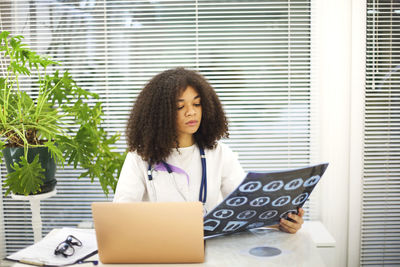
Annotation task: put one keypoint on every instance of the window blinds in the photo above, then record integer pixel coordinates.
(380, 226)
(255, 53)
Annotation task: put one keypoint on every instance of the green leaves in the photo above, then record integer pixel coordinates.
(3, 35)
(19, 55)
(27, 177)
(91, 147)
(60, 115)
(55, 152)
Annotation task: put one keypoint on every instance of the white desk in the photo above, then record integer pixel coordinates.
(296, 250)
(233, 250)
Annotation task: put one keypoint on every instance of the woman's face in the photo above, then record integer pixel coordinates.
(188, 115)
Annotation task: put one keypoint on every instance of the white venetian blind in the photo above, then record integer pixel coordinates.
(380, 226)
(255, 53)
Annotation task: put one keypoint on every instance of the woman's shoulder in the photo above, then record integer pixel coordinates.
(133, 157)
(222, 146)
(221, 149)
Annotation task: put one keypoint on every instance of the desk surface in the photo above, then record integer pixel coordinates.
(233, 250)
(296, 250)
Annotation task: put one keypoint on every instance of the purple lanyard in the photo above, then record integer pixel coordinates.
(163, 166)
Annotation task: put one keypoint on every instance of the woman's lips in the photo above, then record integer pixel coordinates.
(192, 123)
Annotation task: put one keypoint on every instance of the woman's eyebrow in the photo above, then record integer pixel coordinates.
(183, 100)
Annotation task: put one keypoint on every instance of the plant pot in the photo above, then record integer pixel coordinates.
(13, 154)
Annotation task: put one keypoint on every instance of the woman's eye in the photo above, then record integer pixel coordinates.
(180, 107)
(197, 105)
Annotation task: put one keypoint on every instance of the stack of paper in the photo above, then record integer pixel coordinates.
(42, 253)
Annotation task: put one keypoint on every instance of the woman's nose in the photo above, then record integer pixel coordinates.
(190, 111)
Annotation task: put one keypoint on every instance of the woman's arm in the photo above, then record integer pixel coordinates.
(130, 186)
(232, 171)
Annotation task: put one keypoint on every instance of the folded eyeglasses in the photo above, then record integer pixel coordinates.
(66, 248)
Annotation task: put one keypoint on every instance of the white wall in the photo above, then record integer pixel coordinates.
(341, 51)
(334, 82)
(359, 13)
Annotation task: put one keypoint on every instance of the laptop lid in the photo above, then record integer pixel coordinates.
(149, 232)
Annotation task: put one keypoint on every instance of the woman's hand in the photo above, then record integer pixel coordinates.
(294, 225)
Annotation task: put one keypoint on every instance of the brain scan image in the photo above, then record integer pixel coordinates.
(269, 214)
(300, 199)
(281, 201)
(312, 181)
(294, 184)
(223, 214)
(250, 186)
(236, 201)
(273, 186)
(262, 199)
(247, 214)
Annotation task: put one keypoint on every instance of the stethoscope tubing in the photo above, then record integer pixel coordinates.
(203, 186)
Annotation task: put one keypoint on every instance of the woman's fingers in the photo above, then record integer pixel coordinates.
(294, 224)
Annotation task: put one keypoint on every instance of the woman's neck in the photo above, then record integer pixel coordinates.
(186, 141)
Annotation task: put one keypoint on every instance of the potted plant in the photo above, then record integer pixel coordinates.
(52, 125)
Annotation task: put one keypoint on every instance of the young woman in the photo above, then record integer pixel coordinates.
(172, 133)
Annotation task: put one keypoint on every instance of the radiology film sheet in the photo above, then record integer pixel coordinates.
(262, 199)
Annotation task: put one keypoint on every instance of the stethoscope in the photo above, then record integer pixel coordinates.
(203, 186)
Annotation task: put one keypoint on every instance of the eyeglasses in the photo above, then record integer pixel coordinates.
(66, 248)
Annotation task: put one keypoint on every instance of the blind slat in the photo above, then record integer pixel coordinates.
(380, 224)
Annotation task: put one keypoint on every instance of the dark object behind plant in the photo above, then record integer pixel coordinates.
(47, 168)
(59, 114)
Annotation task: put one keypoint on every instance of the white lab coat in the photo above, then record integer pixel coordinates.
(224, 174)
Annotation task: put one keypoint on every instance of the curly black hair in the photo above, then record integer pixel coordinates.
(152, 129)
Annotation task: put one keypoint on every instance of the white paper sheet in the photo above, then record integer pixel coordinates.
(42, 253)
